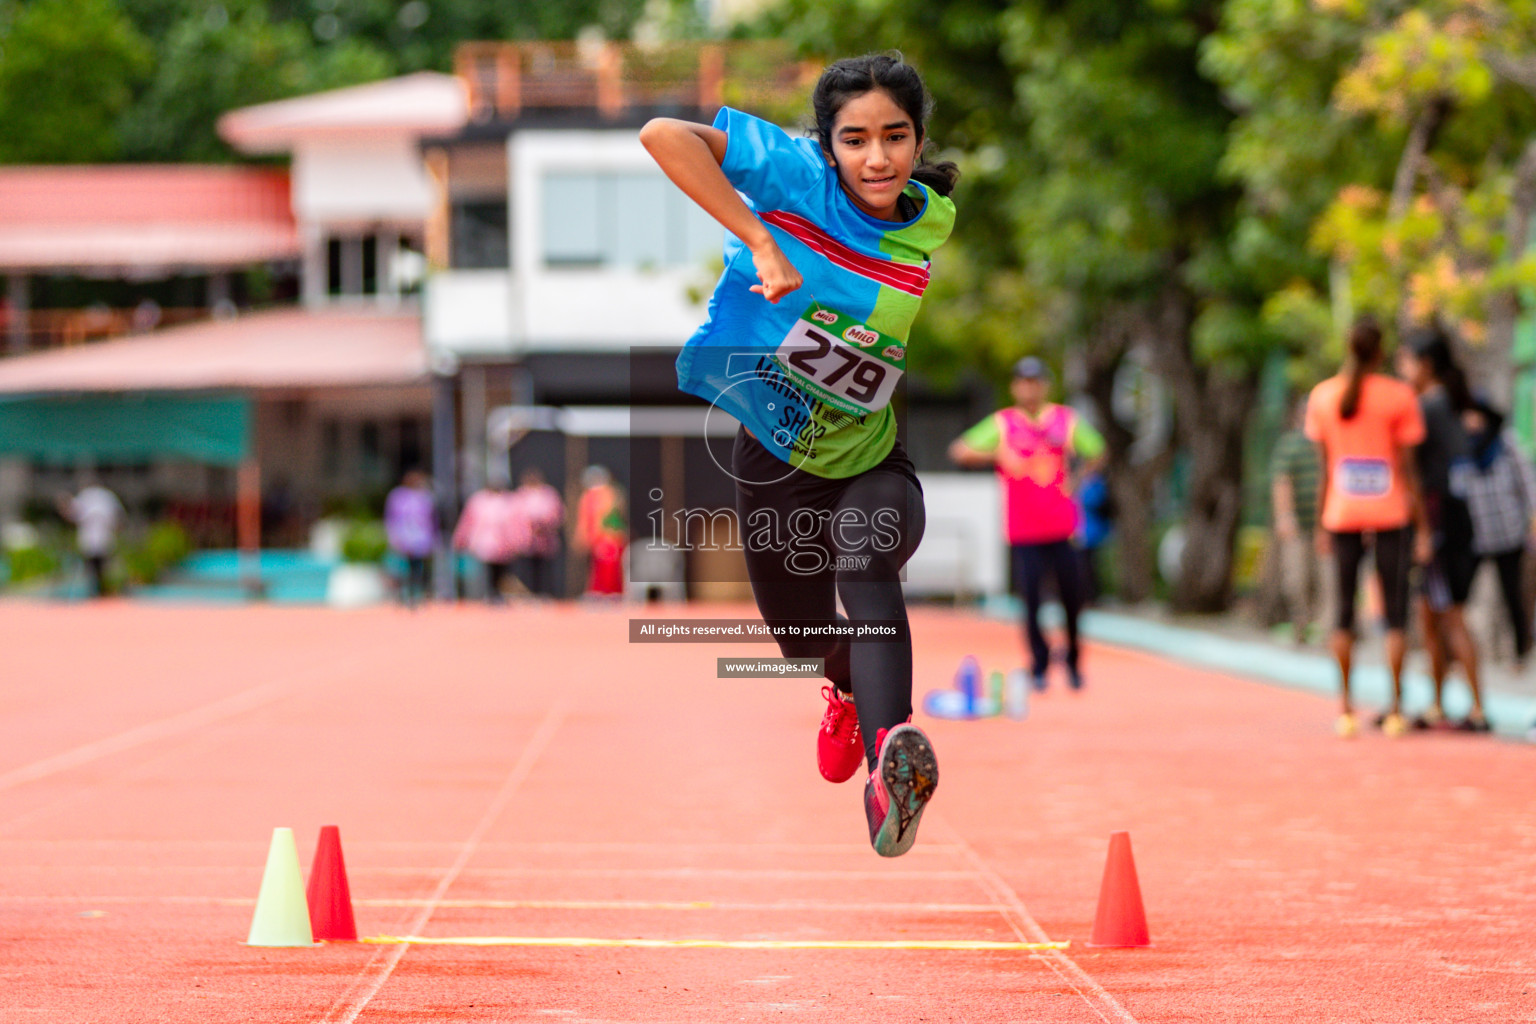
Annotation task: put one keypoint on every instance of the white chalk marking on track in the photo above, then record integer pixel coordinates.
(187, 721)
(378, 969)
(808, 874)
(786, 905)
(528, 940)
(663, 905)
(1028, 929)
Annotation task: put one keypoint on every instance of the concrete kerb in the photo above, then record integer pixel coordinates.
(1512, 714)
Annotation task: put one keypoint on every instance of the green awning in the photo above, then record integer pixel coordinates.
(127, 428)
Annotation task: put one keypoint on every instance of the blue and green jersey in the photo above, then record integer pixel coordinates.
(812, 376)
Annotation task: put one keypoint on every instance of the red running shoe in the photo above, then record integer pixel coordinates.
(899, 789)
(839, 747)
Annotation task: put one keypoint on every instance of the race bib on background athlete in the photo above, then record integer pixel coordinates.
(1363, 478)
(845, 363)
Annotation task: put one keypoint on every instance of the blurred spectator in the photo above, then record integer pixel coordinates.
(1367, 425)
(1293, 490)
(488, 530)
(1096, 514)
(1427, 362)
(1499, 486)
(601, 532)
(146, 316)
(98, 515)
(543, 514)
(410, 521)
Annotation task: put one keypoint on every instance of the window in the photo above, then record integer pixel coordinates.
(611, 219)
(350, 265)
(479, 236)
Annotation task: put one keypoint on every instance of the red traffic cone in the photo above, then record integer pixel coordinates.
(1121, 920)
(330, 897)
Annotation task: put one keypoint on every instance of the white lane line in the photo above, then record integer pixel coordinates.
(557, 873)
(551, 847)
(568, 942)
(1106, 1006)
(780, 905)
(689, 873)
(187, 721)
(794, 906)
(377, 971)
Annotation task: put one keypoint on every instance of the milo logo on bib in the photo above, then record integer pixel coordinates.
(861, 335)
(847, 364)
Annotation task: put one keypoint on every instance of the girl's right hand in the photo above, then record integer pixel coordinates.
(778, 276)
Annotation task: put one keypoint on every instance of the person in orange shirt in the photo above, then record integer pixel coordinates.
(1367, 425)
(601, 533)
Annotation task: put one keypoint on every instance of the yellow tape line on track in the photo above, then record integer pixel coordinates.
(520, 940)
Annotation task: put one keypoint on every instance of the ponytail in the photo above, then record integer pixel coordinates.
(1455, 381)
(941, 177)
(1364, 354)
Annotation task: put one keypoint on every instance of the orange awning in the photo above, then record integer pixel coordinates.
(288, 348)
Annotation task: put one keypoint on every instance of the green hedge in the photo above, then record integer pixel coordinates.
(30, 563)
(163, 547)
(365, 542)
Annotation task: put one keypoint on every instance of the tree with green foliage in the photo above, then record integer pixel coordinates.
(68, 71)
(1453, 84)
(1402, 139)
(1096, 224)
(99, 80)
(215, 62)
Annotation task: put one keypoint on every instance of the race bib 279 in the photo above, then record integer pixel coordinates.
(847, 364)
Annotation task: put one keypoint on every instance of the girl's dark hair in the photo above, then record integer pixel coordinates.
(1433, 345)
(1364, 353)
(853, 77)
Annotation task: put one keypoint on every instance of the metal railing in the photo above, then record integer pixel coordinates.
(60, 328)
(504, 79)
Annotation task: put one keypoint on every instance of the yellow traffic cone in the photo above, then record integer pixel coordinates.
(282, 914)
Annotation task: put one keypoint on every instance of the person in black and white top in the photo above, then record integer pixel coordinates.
(1427, 361)
(1498, 484)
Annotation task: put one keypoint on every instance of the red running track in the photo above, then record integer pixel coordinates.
(528, 773)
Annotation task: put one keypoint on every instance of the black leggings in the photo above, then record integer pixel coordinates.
(1031, 564)
(843, 538)
(1394, 557)
(1510, 565)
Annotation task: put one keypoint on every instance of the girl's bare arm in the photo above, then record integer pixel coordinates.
(690, 154)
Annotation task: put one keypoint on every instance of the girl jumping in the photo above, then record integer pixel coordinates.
(825, 268)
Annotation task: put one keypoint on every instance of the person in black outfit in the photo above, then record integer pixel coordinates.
(1427, 362)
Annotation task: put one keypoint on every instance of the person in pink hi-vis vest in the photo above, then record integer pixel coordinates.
(1033, 445)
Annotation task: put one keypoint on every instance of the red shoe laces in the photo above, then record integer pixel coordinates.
(841, 721)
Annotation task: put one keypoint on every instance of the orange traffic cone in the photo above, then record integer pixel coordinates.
(1121, 920)
(330, 897)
